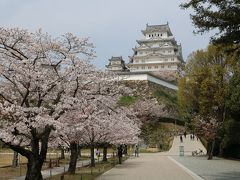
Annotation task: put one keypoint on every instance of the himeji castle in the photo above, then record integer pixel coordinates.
(157, 51)
(157, 54)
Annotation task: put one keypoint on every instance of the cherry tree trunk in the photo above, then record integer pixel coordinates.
(120, 154)
(73, 158)
(210, 154)
(34, 167)
(104, 154)
(92, 156)
(15, 159)
(62, 156)
(36, 156)
(79, 151)
(221, 150)
(125, 150)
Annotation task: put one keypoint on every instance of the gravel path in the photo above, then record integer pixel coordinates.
(188, 144)
(149, 166)
(170, 166)
(156, 166)
(216, 169)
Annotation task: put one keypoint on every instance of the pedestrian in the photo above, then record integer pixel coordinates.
(125, 149)
(136, 151)
(120, 153)
(97, 152)
(185, 134)
(190, 137)
(181, 138)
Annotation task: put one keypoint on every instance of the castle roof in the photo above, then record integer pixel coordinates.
(157, 28)
(118, 58)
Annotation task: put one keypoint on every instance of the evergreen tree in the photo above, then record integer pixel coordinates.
(223, 16)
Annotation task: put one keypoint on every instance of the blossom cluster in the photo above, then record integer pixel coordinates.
(50, 82)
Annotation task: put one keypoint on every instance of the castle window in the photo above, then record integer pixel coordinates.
(169, 66)
(156, 67)
(172, 59)
(149, 67)
(143, 67)
(149, 35)
(162, 66)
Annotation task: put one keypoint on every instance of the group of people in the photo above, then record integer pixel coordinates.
(192, 137)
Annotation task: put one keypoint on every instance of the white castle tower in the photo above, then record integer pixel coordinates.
(158, 53)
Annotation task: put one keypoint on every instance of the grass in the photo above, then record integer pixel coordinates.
(159, 135)
(7, 172)
(6, 159)
(166, 95)
(149, 150)
(88, 173)
(127, 100)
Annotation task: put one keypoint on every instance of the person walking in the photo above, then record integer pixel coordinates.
(181, 138)
(185, 134)
(97, 152)
(136, 151)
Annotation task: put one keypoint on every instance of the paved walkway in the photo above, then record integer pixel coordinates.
(156, 166)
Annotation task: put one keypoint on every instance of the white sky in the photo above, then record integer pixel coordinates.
(113, 25)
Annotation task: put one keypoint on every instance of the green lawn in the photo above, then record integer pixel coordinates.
(88, 173)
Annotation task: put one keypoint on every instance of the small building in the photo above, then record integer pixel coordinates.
(116, 64)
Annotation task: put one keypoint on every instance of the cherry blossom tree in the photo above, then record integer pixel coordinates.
(39, 79)
(98, 120)
(207, 128)
(95, 100)
(125, 130)
(147, 108)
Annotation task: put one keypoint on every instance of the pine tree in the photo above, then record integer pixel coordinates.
(223, 16)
